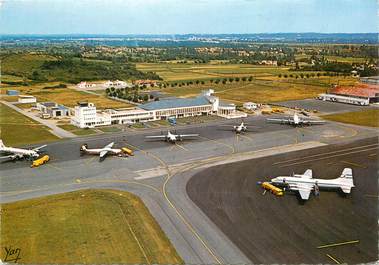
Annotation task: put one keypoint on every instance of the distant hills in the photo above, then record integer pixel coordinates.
(191, 39)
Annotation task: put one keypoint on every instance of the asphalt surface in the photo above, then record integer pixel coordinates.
(270, 229)
(158, 173)
(326, 107)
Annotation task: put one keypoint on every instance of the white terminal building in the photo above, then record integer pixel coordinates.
(86, 115)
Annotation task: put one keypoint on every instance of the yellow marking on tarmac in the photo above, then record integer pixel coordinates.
(247, 137)
(78, 181)
(339, 244)
(332, 258)
(353, 164)
(372, 196)
(57, 168)
(182, 147)
(327, 153)
(326, 157)
(90, 160)
(189, 226)
(121, 181)
(219, 142)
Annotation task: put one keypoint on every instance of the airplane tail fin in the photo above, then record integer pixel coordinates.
(347, 178)
(1, 144)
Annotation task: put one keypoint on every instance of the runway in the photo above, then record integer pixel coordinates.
(269, 229)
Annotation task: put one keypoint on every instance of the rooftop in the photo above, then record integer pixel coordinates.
(361, 90)
(175, 103)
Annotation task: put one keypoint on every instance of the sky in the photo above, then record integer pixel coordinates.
(187, 16)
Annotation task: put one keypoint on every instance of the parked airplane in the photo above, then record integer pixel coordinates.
(295, 121)
(237, 128)
(102, 152)
(172, 138)
(19, 153)
(304, 183)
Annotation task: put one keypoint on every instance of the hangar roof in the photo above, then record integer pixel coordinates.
(175, 103)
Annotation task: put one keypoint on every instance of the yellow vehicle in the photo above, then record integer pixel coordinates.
(40, 161)
(273, 189)
(127, 151)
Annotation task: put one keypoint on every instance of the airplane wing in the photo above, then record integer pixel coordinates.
(109, 146)
(188, 135)
(278, 120)
(312, 122)
(103, 153)
(38, 148)
(9, 156)
(156, 137)
(304, 189)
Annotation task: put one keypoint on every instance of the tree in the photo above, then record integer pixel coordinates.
(279, 75)
(302, 75)
(250, 78)
(237, 79)
(285, 76)
(211, 80)
(244, 79)
(231, 79)
(107, 91)
(197, 82)
(202, 82)
(224, 81)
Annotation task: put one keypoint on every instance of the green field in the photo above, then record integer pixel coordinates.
(85, 227)
(65, 96)
(368, 117)
(261, 91)
(76, 130)
(17, 129)
(184, 72)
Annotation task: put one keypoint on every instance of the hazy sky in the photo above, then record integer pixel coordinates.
(186, 16)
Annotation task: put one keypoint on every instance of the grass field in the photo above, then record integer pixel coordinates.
(184, 72)
(85, 227)
(18, 130)
(76, 130)
(368, 117)
(260, 91)
(67, 96)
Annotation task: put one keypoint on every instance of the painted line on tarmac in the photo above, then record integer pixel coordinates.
(182, 147)
(327, 153)
(339, 244)
(353, 164)
(327, 157)
(247, 137)
(219, 142)
(332, 258)
(54, 167)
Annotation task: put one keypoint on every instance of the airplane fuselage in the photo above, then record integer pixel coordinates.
(297, 179)
(96, 151)
(19, 151)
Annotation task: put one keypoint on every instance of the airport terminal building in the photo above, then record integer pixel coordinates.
(86, 115)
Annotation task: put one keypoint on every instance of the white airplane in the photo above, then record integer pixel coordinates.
(295, 121)
(238, 128)
(102, 152)
(172, 138)
(19, 153)
(304, 183)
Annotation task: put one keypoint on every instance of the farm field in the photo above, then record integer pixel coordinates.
(67, 96)
(368, 117)
(18, 130)
(183, 72)
(102, 227)
(259, 91)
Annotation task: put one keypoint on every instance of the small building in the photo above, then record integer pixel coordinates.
(26, 99)
(117, 84)
(355, 100)
(250, 106)
(12, 92)
(85, 85)
(53, 109)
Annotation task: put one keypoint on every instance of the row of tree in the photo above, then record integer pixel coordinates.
(130, 94)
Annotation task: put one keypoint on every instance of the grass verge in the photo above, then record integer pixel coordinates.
(89, 226)
(368, 117)
(17, 129)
